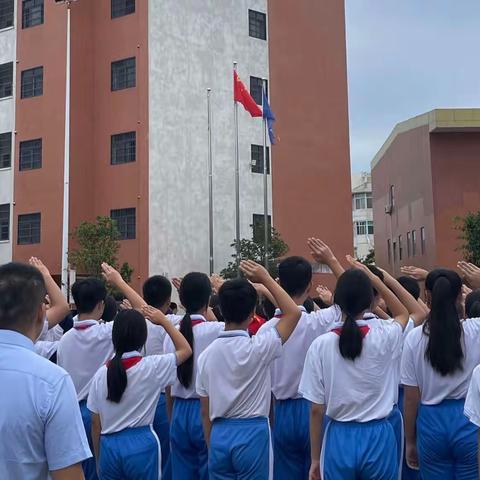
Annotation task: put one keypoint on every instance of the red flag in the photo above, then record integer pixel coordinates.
(242, 95)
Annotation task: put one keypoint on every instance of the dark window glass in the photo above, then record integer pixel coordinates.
(5, 222)
(6, 13)
(29, 228)
(369, 200)
(31, 154)
(120, 8)
(389, 251)
(257, 24)
(257, 159)
(6, 80)
(400, 247)
(32, 82)
(409, 244)
(126, 222)
(259, 227)
(423, 240)
(5, 150)
(394, 251)
(361, 227)
(392, 196)
(32, 13)
(123, 148)
(370, 229)
(414, 242)
(256, 86)
(123, 74)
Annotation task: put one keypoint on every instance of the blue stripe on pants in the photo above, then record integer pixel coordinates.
(89, 465)
(240, 449)
(130, 454)
(396, 421)
(407, 472)
(291, 439)
(189, 453)
(446, 442)
(161, 426)
(359, 451)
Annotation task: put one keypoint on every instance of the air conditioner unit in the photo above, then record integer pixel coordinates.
(388, 209)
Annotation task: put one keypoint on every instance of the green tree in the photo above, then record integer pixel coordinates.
(369, 259)
(254, 249)
(469, 228)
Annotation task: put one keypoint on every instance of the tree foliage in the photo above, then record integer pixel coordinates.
(469, 228)
(369, 259)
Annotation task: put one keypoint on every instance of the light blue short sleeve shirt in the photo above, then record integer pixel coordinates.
(40, 422)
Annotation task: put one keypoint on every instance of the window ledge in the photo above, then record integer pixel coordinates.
(4, 241)
(6, 98)
(6, 29)
(4, 169)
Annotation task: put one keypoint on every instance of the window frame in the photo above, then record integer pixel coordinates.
(123, 228)
(400, 248)
(116, 11)
(32, 234)
(122, 67)
(256, 89)
(389, 251)
(35, 22)
(36, 83)
(409, 244)
(258, 168)
(258, 222)
(6, 84)
(5, 214)
(7, 14)
(414, 243)
(361, 227)
(34, 163)
(121, 148)
(257, 24)
(423, 241)
(5, 149)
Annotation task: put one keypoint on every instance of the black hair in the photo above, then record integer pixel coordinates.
(472, 304)
(295, 275)
(309, 305)
(129, 333)
(110, 310)
(215, 306)
(269, 308)
(444, 348)
(157, 291)
(410, 285)
(238, 299)
(87, 293)
(22, 291)
(195, 291)
(320, 303)
(354, 295)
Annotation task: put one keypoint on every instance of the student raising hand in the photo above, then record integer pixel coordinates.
(471, 274)
(417, 273)
(323, 254)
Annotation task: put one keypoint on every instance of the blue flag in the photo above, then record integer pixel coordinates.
(270, 118)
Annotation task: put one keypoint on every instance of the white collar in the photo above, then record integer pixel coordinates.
(233, 333)
(196, 316)
(279, 312)
(83, 323)
(131, 354)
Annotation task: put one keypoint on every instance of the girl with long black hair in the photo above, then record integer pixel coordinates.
(437, 364)
(124, 395)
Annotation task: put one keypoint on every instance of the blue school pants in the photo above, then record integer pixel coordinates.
(446, 442)
(407, 472)
(131, 454)
(291, 439)
(89, 465)
(359, 451)
(396, 421)
(161, 425)
(240, 449)
(189, 453)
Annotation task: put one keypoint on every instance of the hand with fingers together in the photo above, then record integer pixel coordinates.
(471, 274)
(320, 251)
(417, 273)
(39, 265)
(254, 272)
(176, 282)
(111, 275)
(325, 294)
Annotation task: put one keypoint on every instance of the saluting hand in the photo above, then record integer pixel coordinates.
(176, 282)
(325, 294)
(417, 273)
(39, 265)
(320, 251)
(254, 272)
(153, 314)
(111, 275)
(471, 274)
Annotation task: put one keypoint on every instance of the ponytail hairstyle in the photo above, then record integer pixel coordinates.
(195, 291)
(472, 304)
(443, 328)
(354, 295)
(129, 333)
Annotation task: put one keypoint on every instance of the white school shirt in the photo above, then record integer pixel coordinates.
(40, 424)
(287, 369)
(234, 372)
(354, 391)
(136, 408)
(45, 349)
(156, 335)
(203, 335)
(82, 351)
(472, 403)
(416, 370)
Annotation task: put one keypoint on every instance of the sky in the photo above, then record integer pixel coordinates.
(405, 58)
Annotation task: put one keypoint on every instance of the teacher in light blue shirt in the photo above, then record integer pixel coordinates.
(41, 430)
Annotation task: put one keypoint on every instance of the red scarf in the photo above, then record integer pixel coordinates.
(364, 329)
(255, 324)
(129, 362)
(82, 327)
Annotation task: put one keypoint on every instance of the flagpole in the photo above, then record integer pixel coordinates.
(237, 182)
(210, 181)
(265, 177)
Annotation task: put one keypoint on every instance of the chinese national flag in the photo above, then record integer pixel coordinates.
(242, 95)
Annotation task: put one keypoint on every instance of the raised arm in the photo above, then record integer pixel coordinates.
(417, 273)
(113, 277)
(322, 253)
(471, 274)
(291, 312)
(59, 308)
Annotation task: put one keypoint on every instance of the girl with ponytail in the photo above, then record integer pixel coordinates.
(437, 364)
(349, 376)
(189, 452)
(124, 395)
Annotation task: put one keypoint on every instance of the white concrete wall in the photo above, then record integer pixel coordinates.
(7, 124)
(362, 243)
(192, 46)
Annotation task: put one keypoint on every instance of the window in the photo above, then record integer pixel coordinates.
(362, 201)
(29, 229)
(123, 148)
(423, 240)
(389, 251)
(257, 24)
(259, 227)
(6, 13)
(4, 222)
(414, 242)
(30, 154)
(5, 150)
(394, 251)
(256, 89)
(364, 227)
(400, 247)
(409, 244)
(120, 8)
(257, 159)
(6, 80)
(392, 196)
(32, 13)
(123, 74)
(32, 82)
(126, 222)
(370, 227)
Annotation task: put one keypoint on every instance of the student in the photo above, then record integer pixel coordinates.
(291, 437)
(124, 395)
(472, 403)
(189, 454)
(437, 363)
(234, 379)
(411, 285)
(349, 376)
(41, 427)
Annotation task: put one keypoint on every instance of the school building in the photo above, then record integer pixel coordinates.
(425, 175)
(138, 125)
